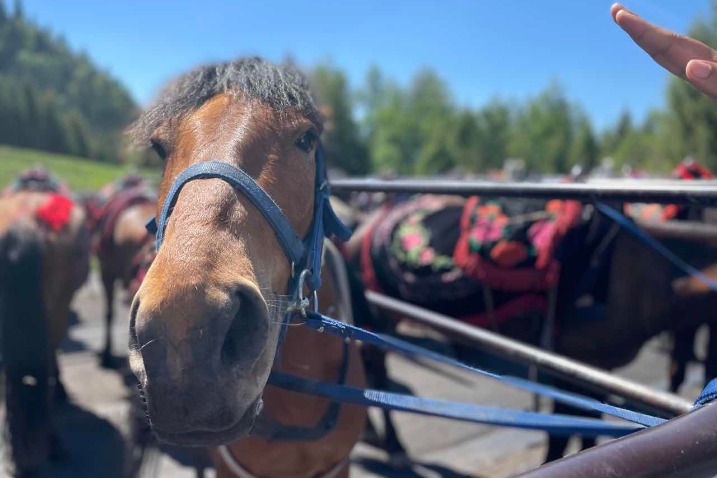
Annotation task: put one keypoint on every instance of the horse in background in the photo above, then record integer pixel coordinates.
(684, 339)
(549, 273)
(118, 215)
(44, 260)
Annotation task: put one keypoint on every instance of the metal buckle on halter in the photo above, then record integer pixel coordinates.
(301, 303)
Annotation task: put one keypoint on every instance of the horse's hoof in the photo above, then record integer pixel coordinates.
(400, 461)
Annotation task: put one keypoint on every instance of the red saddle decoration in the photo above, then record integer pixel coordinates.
(55, 212)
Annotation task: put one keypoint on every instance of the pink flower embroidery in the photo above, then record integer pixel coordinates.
(427, 256)
(486, 231)
(411, 241)
(541, 234)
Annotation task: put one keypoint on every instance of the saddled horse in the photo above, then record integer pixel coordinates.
(684, 339)
(118, 214)
(208, 323)
(44, 259)
(555, 274)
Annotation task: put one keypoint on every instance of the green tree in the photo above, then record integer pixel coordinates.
(585, 149)
(495, 123)
(544, 131)
(412, 126)
(48, 83)
(344, 147)
(467, 142)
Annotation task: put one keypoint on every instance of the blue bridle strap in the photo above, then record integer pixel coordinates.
(301, 254)
(242, 182)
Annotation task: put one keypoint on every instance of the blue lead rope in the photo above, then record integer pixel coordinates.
(350, 332)
(708, 395)
(647, 239)
(555, 424)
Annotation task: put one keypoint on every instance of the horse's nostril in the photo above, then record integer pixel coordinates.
(247, 335)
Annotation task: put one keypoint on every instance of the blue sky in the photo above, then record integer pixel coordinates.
(510, 48)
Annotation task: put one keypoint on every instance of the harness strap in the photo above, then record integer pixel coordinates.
(555, 424)
(272, 430)
(237, 469)
(351, 332)
(632, 228)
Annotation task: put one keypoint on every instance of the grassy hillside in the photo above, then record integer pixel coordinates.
(80, 173)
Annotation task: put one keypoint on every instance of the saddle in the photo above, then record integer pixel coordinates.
(687, 170)
(442, 252)
(37, 179)
(55, 213)
(104, 216)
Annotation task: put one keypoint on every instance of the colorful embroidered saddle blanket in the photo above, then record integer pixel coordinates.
(688, 170)
(410, 253)
(510, 244)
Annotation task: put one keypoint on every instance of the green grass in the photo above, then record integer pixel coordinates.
(79, 173)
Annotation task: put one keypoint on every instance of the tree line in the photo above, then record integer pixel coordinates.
(54, 99)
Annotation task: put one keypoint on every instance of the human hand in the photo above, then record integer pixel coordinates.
(681, 55)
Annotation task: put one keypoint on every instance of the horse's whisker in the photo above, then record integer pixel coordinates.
(151, 341)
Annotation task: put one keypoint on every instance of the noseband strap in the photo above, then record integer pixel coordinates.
(303, 255)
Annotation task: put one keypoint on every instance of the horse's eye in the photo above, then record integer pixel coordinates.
(307, 142)
(159, 149)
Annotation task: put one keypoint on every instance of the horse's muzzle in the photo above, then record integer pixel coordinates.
(196, 364)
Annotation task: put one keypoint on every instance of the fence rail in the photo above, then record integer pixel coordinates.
(703, 193)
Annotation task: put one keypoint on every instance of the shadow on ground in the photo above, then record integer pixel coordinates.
(417, 470)
(95, 446)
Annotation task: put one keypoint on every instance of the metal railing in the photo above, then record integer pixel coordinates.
(696, 193)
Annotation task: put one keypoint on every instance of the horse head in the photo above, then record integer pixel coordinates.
(206, 321)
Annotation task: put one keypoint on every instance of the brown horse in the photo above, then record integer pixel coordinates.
(44, 259)
(206, 321)
(119, 214)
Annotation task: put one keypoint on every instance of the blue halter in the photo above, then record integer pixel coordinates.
(304, 256)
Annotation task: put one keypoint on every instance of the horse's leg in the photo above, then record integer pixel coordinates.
(58, 451)
(108, 281)
(557, 444)
(377, 375)
(343, 473)
(682, 352)
(711, 358)
(398, 456)
(60, 394)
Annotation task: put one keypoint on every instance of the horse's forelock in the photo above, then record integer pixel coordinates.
(282, 87)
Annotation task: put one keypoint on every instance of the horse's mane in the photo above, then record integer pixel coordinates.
(280, 86)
